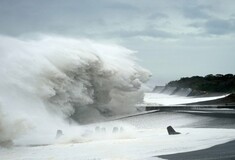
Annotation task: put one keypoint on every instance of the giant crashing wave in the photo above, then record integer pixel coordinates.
(49, 80)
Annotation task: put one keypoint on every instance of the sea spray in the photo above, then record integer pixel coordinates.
(10, 129)
(51, 81)
(98, 132)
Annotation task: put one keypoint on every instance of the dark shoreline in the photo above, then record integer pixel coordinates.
(224, 151)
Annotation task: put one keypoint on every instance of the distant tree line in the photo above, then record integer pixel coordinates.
(210, 83)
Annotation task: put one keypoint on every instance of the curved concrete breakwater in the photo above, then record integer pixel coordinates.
(187, 92)
(159, 99)
(170, 96)
(172, 90)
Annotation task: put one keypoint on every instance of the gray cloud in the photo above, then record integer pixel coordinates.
(157, 16)
(146, 32)
(214, 26)
(220, 26)
(122, 6)
(171, 27)
(196, 11)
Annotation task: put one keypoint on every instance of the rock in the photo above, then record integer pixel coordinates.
(6, 144)
(103, 130)
(59, 133)
(171, 131)
(115, 129)
(97, 129)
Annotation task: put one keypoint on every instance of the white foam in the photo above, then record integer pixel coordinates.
(164, 99)
(146, 144)
(142, 137)
(46, 80)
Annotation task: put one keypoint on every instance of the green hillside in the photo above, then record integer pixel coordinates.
(210, 83)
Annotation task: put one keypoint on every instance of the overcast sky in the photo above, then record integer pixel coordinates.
(173, 38)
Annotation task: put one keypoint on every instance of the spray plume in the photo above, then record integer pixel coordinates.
(50, 80)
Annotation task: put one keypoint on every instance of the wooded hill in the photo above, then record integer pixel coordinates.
(210, 83)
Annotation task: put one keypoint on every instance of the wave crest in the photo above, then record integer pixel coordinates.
(69, 78)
